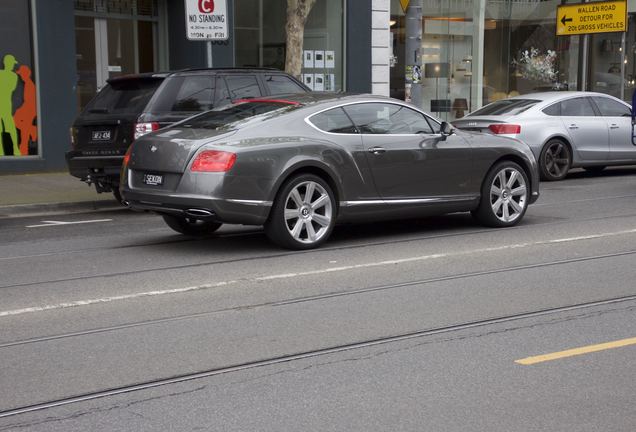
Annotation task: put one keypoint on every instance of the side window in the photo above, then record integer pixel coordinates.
(281, 84)
(380, 118)
(243, 87)
(579, 107)
(553, 110)
(334, 120)
(195, 94)
(611, 108)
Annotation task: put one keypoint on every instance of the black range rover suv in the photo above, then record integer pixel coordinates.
(133, 105)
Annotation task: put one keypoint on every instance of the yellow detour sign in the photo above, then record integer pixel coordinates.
(405, 4)
(594, 17)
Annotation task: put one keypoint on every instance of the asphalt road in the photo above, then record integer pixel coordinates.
(110, 321)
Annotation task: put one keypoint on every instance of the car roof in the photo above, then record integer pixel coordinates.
(139, 76)
(557, 95)
(192, 71)
(308, 97)
(195, 71)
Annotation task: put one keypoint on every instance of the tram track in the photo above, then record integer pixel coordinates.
(318, 297)
(285, 358)
(323, 250)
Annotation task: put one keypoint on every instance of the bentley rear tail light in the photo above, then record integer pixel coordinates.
(124, 163)
(213, 161)
(142, 129)
(504, 128)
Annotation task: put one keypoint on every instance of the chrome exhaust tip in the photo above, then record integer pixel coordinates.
(199, 213)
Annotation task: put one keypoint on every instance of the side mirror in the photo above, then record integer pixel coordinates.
(446, 130)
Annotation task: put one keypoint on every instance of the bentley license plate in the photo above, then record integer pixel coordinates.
(153, 179)
(104, 135)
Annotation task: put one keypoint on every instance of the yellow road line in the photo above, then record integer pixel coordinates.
(576, 351)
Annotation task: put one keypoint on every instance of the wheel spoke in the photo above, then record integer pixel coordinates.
(298, 227)
(497, 205)
(502, 179)
(515, 205)
(506, 212)
(295, 195)
(309, 192)
(321, 220)
(291, 214)
(323, 200)
(561, 161)
(311, 233)
(512, 179)
(521, 190)
(494, 190)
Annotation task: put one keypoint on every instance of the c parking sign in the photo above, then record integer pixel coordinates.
(206, 20)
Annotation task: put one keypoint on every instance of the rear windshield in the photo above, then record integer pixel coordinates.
(125, 96)
(227, 117)
(506, 107)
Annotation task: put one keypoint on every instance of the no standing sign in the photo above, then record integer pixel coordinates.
(206, 20)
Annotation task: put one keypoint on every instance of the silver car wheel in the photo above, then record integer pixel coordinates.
(308, 212)
(508, 195)
(556, 160)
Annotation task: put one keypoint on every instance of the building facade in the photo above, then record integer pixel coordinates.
(474, 52)
(56, 54)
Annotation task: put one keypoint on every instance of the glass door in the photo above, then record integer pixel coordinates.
(110, 44)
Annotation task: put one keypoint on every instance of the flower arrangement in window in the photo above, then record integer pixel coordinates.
(534, 65)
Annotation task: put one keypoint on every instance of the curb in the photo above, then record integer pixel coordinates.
(25, 210)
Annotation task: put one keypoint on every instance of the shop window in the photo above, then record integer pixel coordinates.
(259, 33)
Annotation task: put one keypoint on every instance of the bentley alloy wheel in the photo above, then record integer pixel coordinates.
(303, 215)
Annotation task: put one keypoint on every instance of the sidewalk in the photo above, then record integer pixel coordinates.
(49, 193)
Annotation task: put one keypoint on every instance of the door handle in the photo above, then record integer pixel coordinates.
(614, 126)
(377, 150)
(573, 126)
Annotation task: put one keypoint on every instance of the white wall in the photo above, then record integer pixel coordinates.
(380, 49)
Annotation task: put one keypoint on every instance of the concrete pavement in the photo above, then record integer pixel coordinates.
(49, 193)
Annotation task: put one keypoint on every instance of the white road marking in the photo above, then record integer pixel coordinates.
(56, 223)
(307, 273)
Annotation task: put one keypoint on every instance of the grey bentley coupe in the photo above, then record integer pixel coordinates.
(301, 163)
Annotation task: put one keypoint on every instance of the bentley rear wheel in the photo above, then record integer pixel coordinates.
(303, 214)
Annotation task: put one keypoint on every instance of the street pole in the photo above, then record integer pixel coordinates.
(413, 72)
(209, 54)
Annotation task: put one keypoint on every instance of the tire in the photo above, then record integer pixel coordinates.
(503, 206)
(191, 227)
(117, 196)
(555, 160)
(303, 214)
(594, 169)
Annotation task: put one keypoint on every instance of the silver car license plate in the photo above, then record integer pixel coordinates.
(153, 179)
(104, 135)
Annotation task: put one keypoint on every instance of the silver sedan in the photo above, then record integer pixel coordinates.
(299, 164)
(563, 129)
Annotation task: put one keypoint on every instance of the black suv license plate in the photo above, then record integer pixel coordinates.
(153, 179)
(103, 135)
